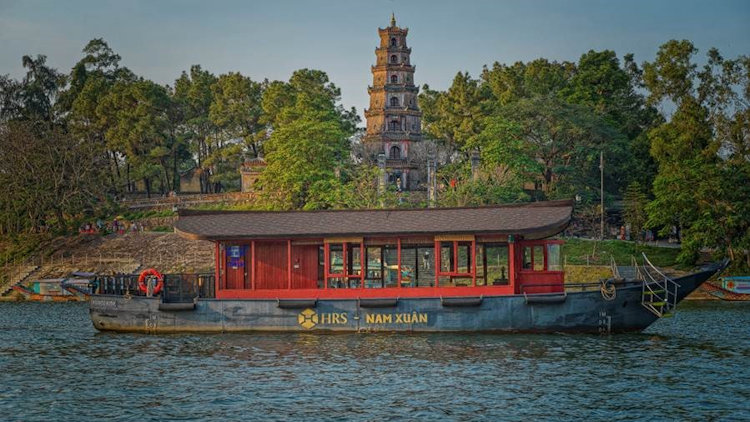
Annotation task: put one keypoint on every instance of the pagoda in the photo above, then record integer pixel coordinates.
(394, 121)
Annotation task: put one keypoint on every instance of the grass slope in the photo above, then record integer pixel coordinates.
(577, 250)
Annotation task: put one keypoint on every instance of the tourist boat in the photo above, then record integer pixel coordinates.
(735, 288)
(483, 269)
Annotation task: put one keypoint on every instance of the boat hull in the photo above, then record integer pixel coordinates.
(585, 311)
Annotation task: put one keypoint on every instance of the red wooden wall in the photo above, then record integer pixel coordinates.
(271, 271)
(304, 266)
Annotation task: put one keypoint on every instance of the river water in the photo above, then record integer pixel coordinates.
(55, 366)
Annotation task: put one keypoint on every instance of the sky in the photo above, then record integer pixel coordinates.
(158, 39)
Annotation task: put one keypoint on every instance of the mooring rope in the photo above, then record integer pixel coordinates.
(608, 289)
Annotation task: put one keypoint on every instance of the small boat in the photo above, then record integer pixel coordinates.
(731, 288)
(70, 289)
(481, 269)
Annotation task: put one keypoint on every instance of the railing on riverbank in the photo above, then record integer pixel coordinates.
(186, 200)
(177, 287)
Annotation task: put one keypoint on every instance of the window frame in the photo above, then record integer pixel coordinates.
(328, 275)
(532, 244)
(454, 273)
(508, 257)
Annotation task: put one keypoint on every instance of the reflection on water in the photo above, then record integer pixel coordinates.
(55, 366)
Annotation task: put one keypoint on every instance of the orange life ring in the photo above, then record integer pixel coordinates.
(142, 280)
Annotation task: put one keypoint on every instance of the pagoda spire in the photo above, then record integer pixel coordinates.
(394, 121)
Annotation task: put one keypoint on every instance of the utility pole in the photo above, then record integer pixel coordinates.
(601, 195)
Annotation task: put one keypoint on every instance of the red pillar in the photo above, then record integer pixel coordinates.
(437, 263)
(473, 263)
(217, 272)
(398, 262)
(362, 265)
(326, 266)
(512, 262)
(252, 265)
(289, 264)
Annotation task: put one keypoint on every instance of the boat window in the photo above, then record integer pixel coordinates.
(538, 258)
(456, 267)
(480, 265)
(492, 264)
(446, 257)
(336, 259)
(321, 267)
(554, 262)
(354, 266)
(390, 266)
(408, 267)
(374, 267)
(527, 258)
(425, 266)
(464, 258)
(344, 265)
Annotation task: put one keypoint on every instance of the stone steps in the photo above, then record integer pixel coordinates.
(18, 278)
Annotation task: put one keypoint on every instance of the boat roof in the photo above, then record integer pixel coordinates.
(533, 220)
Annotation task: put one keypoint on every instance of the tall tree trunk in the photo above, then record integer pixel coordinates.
(175, 174)
(127, 172)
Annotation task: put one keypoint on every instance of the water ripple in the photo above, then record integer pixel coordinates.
(55, 366)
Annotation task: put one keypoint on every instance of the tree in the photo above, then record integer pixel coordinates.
(193, 96)
(36, 95)
(456, 116)
(635, 209)
(46, 176)
(704, 168)
(560, 143)
(309, 142)
(91, 80)
(302, 158)
(136, 117)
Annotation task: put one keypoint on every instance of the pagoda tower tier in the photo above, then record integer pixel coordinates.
(394, 121)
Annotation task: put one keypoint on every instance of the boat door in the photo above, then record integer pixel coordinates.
(236, 266)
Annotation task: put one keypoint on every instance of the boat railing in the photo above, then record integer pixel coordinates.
(614, 268)
(638, 271)
(575, 287)
(183, 287)
(659, 291)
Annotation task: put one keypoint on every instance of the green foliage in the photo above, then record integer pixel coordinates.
(47, 177)
(193, 96)
(455, 116)
(635, 209)
(302, 158)
(555, 142)
(360, 190)
(704, 170)
(308, 146)
(236, 108)
(671, 75)
(493, 185)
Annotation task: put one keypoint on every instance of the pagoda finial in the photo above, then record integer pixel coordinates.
(393, 20)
